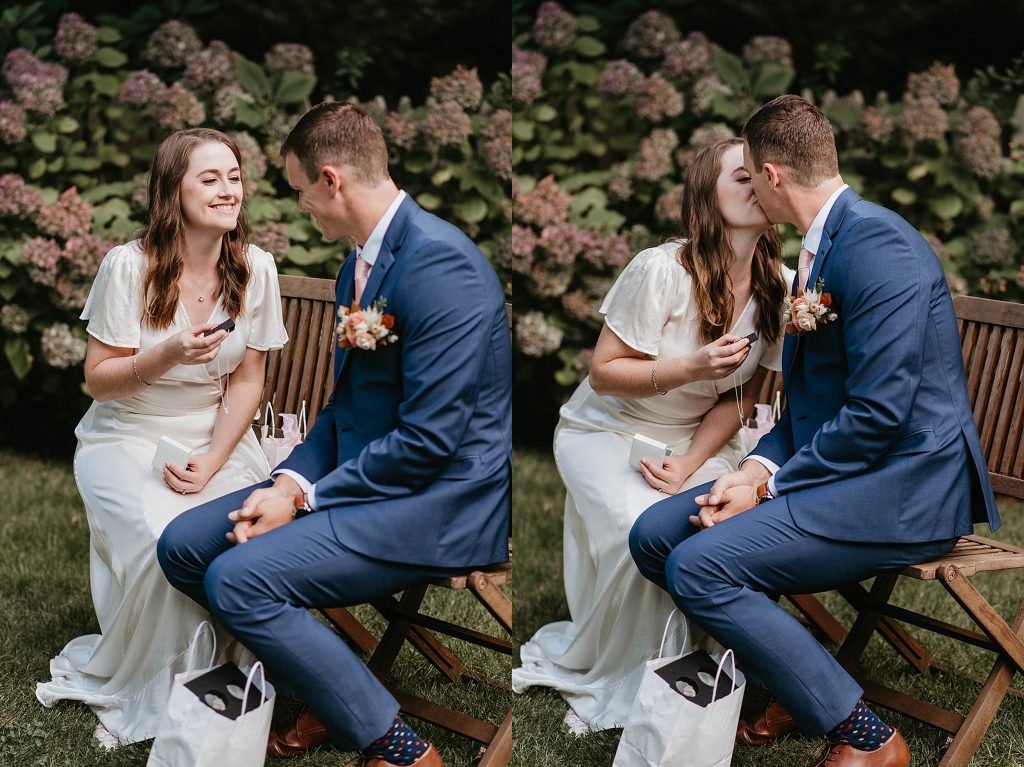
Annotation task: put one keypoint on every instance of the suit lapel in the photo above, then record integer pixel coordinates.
(344, 294)
(389, 248)
(833, 223)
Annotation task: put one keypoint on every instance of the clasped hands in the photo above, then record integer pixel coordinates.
(264, 510)
(732, 494)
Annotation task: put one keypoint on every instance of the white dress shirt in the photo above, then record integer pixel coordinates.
(368, 252)
(811, 242)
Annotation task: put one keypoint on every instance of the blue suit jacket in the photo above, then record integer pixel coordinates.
(412, 454)
(878, 442)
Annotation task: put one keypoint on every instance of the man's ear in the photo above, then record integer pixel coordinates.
(773, 172)
(333, 177)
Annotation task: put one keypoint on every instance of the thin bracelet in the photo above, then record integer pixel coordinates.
(654, 379)
(135, 369)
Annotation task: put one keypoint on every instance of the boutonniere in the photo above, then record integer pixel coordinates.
(810, 308)
(365, 328)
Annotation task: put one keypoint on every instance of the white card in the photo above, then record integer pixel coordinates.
(645, 447)
(172, 451)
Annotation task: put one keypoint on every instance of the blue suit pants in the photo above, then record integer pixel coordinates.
(262, 590)
(724, 578)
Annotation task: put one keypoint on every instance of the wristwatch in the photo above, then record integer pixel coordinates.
(302, 507)
(763, 495)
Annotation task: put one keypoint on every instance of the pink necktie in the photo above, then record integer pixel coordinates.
(362, 274)
(803, 267)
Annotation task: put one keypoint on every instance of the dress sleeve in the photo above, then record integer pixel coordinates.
(641, 300)
(114, 307)
(771, 354)
(266, 330)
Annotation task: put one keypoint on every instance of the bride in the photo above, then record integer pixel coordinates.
(672, 364)
(153, 373)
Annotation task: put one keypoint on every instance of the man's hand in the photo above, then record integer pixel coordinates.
(264, 510)
(734, 500)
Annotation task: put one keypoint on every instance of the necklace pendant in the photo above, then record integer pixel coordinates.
(201, 299)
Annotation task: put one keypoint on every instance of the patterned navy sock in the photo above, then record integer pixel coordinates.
(862, 730)
(399, 745)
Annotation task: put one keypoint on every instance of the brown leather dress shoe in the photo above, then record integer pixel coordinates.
(430, 758)
(894, 753)
(305, 734)
(768, 727)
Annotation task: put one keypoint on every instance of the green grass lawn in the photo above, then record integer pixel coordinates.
(542, 741)
(45, 601)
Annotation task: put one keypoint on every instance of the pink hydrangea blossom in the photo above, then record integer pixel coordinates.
(273, 238)
(400, 130)
(655, 157)
(447, 123)
(923, 118)
(461, 85)
(76, 40)
(40, 255)
(535, 336)
(291, 57)
(17, 198)
(768, 49)
(61, 348)
(658, 99)
(211, 67)
(546, 204)
(527, 73)
(978, 141)
(938, 82)
(668, 207)
(496, 145)
(38, 86)
(179, 108)
(689, 59)
(141, 88)
(650, 34)
(12, 123)
(70, 216)
(172, 45)
(554, 28)
(620, 77)
(14, 319)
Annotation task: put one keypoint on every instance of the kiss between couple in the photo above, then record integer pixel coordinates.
(404, 477)
(875, 463)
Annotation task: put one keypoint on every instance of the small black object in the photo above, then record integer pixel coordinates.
(222, 688)
(752, 337)
(693, 677)
(228, 325)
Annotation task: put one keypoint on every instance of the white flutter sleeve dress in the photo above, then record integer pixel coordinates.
(596, 659)
(124, 673)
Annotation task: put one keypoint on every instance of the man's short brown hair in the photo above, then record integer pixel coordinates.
(793, 132)
(339, 134)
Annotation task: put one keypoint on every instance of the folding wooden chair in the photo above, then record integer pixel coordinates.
(992, 342)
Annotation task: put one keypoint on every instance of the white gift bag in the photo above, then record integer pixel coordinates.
(192, 734)
(765, 418)
(667, 729)
(278, 443)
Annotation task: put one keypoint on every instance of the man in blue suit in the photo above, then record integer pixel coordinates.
(406, 474)
(874, 465)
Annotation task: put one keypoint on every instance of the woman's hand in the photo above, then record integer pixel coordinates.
(191, 347)
(719, 358)
(670, 476)
(193, 478)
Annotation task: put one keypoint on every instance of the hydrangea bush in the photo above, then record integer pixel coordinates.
(82, 110)
(605, 129)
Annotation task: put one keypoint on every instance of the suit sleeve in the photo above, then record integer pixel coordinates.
(776, 445)
(884, 299)
(447, 339)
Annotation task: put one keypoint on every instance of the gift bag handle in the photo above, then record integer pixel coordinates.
(302, 420)
(248, 685)
(731, 656)
(777, 407)
(190, 664)
(664, 634)
(268, 420)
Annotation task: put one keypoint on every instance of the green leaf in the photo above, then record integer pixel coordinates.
(106, 85)
(591, 197)
(112, 208)
(730, 68)
(590, 47)
(65, 124)
(8, 290)
(918, 172)
(83, 163)
(44, 141)
(904, 196)
(5, 270)
(725, 105)
(246, 114)
(108, 35)
(56, 165)
(16, 351)
(294, 87)
(522, 130)
(544, 113)
(947, 206)
(298, 231)
(587, 24)
(297, 254)
(442, 176)
(584, 74)
(429, 201)
(252, 77)
(557, 152)
(1017, 207)
(472, 211)
(772, 80)
(110, 58)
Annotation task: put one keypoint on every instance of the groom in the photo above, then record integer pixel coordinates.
(405, 475)
(874, 465)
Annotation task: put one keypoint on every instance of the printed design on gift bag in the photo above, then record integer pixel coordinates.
(365, 329)
(278, 443)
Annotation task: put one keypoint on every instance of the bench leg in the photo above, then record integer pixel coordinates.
(350, 628)
(970, 734)
(892, 631)
(499, 752)
(397, 632)
(491, 597)
(856, 641)
(818, 617)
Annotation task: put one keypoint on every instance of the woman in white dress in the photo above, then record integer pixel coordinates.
(153, 373)
(671, 364)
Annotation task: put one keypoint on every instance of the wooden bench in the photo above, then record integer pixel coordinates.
(992, 344)
(303, 372)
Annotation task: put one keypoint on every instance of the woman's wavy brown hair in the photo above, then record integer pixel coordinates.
(163, 239)
(707, 254)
